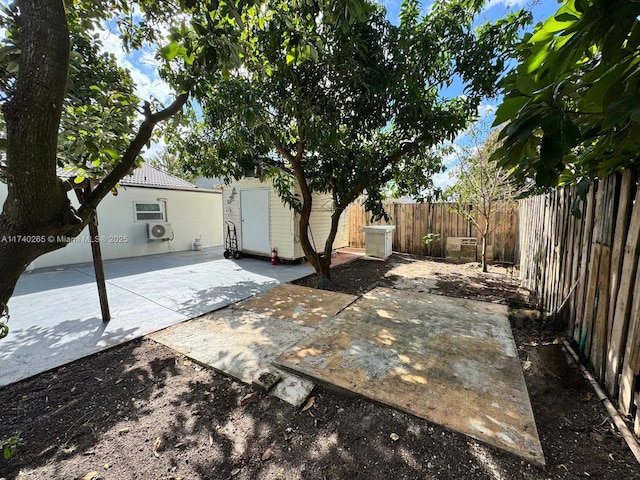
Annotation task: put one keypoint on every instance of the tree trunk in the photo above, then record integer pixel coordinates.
(484, 233)
(37, 206)
(320, 264)
(37, 215)
(484, 254)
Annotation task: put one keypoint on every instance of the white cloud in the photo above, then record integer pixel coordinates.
(143, 71)
(443, 180)
(506, 4)
(486, 110)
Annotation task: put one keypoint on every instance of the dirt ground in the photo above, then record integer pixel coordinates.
(141, 411)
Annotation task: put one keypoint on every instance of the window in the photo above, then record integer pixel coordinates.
(145, 211)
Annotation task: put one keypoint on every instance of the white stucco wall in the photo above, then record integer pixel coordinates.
(191, 213)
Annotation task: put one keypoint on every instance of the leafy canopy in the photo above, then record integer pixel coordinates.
(348, 109)
(571, 108)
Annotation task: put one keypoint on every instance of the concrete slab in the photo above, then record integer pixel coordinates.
(55, 313)
(452, 361)
(302, 305)
(242, 344)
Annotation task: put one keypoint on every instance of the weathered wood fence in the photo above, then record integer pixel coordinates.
(415, 220)
(587, 270)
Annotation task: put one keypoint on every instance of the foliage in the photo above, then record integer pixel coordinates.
(172, 164)
(9, 446)
(572, 106)
(429, 238)
(346, 110)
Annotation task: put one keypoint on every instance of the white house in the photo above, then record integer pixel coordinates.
(154, 212)
(264, 222)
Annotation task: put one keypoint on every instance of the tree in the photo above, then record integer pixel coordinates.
(49, 75)
(483, 190)
(37, 213)
(572, 106)
(345, 110)
(170, 163)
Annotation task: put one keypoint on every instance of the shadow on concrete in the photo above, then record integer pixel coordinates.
(38, 348)
(209, 299)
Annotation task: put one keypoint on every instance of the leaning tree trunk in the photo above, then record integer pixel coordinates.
(37, 216)
(36, 210)
(320, 265)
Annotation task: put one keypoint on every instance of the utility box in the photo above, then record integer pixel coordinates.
(377, 240)
(462, 249)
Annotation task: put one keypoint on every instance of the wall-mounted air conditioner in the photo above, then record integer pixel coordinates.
(159, 231)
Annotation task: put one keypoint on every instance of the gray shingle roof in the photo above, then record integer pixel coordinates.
(148, 176)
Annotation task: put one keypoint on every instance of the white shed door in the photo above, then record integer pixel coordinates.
(254, 212)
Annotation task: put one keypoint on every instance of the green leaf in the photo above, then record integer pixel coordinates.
(551, 150)
(508, 109)
(169, 52)
(546, 177)
(566, 18)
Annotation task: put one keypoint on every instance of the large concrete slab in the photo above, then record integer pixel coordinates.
(242, 344)
(302, 305)
(452, 361)
(55, 313)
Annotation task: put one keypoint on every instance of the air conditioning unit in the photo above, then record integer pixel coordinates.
(159, 231)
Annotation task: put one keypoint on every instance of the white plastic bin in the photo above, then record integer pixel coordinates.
(377, 240)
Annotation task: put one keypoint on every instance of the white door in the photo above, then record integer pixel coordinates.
(254, 214)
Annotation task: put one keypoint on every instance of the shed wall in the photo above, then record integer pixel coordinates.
(284, 229)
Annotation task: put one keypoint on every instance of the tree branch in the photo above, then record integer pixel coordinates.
(128, 158)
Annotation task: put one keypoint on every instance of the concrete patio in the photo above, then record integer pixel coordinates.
(55, 313)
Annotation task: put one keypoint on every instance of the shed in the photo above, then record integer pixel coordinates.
(264, 222)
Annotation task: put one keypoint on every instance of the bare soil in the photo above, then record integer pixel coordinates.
(141, 411)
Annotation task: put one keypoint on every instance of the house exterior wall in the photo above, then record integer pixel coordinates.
(191, 213)
(284, 229)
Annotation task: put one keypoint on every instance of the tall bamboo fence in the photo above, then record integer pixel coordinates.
(586, 270)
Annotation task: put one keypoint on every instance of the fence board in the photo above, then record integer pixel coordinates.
(621, 327)
(584, 265)
(631, 364)
(575, 272)
(601, 303)
(622, 272)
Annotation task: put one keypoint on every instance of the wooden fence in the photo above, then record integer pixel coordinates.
(587, 271)
(414, 221)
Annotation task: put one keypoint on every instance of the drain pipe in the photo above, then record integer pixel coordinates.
(613, 413)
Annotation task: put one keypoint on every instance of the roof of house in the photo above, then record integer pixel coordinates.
(148, 176)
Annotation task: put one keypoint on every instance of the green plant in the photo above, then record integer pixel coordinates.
(9, 446)
(429, 238)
